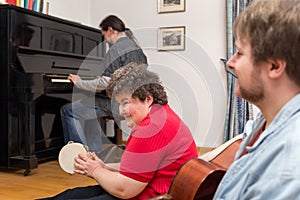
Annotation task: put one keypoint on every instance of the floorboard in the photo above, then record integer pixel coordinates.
(47, 180)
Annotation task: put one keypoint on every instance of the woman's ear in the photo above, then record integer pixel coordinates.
(277, 68)
(149, 100)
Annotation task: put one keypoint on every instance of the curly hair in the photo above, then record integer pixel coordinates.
(137, 80)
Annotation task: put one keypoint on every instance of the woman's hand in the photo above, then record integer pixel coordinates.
(74, 78)
(86, 164)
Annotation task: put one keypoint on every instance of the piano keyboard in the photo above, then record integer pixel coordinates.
(56, 80)
(60, 78)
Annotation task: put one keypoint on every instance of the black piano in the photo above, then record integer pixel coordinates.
(38, 52)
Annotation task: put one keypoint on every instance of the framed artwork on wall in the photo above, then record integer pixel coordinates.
(166, 6)
(171, 38)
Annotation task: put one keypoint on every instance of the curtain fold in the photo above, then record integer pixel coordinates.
(238, 111)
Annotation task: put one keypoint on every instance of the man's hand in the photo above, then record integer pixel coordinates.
(74, 78)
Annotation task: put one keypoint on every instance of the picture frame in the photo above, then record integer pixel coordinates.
(171, 38)
(167, 6)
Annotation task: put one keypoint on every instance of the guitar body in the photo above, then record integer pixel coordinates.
(199, 178)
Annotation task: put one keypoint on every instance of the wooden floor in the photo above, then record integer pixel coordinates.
(47, 180)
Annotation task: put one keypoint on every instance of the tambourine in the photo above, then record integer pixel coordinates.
(68, 153)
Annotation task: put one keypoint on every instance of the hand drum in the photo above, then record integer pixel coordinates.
(68, 153)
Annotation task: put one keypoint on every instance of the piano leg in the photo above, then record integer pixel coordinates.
(29, 130)
(26, 158)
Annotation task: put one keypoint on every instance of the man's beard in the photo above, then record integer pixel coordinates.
(256, 91)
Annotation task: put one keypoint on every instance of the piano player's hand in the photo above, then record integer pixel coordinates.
(74, 78)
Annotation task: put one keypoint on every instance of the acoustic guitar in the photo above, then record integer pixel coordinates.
(199, 178)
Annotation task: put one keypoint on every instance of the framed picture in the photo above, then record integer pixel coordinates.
(171, 38)
(165, 6)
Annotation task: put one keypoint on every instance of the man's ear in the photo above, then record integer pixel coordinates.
(277, 68)
(110, 29)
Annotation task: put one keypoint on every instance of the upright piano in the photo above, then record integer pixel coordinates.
(38, 52)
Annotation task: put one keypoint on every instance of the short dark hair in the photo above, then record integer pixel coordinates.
(114, 22)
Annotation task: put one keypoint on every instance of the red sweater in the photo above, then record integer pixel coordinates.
(157, 147)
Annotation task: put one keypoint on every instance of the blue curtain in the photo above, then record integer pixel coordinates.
(239, 111)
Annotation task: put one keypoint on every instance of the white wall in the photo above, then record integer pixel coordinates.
(73, 10)
(194, 78)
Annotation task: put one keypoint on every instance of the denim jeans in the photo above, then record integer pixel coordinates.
(80, 123)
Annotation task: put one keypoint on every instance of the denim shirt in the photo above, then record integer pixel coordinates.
(271, 168)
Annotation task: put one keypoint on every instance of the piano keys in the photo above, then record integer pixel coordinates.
(38, 53)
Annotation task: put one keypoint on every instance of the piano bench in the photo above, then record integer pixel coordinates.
(117, 138)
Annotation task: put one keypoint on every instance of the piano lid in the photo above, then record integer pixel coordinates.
(52, 62)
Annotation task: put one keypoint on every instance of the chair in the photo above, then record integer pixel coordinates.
(112, 146)
(117, 139)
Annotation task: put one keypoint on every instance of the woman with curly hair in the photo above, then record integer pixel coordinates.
(159, 143)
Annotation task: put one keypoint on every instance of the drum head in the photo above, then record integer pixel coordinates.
(68, 153)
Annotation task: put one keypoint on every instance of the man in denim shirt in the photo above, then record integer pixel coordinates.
(267, 66)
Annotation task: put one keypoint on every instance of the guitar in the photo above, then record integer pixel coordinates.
(199, 178)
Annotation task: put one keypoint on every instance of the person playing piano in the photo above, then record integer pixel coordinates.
(83, 114)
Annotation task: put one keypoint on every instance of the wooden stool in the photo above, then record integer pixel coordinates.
(112, 146)
(117, 138)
